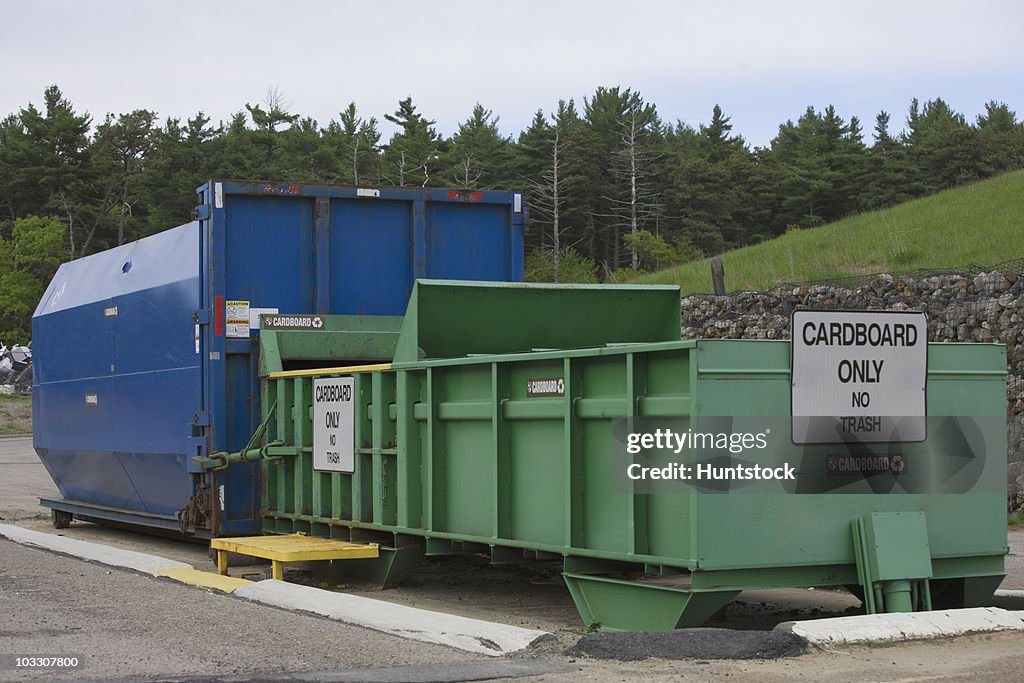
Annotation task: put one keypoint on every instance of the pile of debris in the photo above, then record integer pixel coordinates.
(16, 369)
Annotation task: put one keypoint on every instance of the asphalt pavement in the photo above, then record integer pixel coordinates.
(125, 625)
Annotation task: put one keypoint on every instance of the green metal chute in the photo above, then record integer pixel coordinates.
(449, 319)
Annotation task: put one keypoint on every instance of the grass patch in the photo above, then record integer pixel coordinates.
(1015, 521)
(15, 414)
(947, 230)
(878, 644)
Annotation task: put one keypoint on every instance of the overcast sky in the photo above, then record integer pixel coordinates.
(763, 61)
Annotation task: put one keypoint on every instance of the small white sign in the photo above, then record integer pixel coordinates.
(859, 376)
(255, 313)
(334, 424)
(236, 318)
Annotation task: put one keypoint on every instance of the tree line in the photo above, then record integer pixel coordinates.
(613, 187)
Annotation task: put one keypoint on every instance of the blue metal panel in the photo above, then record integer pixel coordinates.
(240, 499)
(157, 401)
(323, 255)
(370, 244)
(160, 478)
(92, 476)
(150, 411)
(263, 253)
(267, 261)
(153, 330)
(73, 343)
(269, 251)
(470, 242)
(63, 420)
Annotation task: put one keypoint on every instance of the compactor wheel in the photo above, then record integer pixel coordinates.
(61, 519)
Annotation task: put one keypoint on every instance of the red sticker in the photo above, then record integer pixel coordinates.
(218, 316)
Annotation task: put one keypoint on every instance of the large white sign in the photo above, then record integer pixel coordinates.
(859, 376)
(333, 424)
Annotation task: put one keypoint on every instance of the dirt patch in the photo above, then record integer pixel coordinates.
(690, 643)
(15, 414)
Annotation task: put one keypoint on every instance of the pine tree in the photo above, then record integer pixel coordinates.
(364, 145)
(804, 176)
(234, 153)
(888, 177)
(821, 163)
(943, 145)
(478, 156)
(53, 157)
(532, 157)
(412, 156)
(625, 133)
(714, 185)
(267, 137)
(1000, 139)
(297, 154)
(177, 163)
(121, 146)
(351, 148)
(548, 189)
(721, 144)
(12, 177)
(275, 114)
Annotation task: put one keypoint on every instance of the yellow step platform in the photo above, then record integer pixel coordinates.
(290, 548)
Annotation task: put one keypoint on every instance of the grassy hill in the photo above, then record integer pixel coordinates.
(981, 223)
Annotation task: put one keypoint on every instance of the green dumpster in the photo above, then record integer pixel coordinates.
(504, 426)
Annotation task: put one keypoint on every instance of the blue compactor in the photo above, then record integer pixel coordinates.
(146, 355)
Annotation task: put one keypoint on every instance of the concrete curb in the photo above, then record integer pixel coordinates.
(1010, 593)
(472, 635)
(912, 626)
(86, 550)
(463, 633)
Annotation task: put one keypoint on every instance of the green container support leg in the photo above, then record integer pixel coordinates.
(969, 591)
(898, 596)
(391, 568)
(978, 590)
(893, 561)
(388, 570)
(630, 606)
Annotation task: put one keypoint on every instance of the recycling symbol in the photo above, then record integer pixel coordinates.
(318, 322)
(897, 464)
